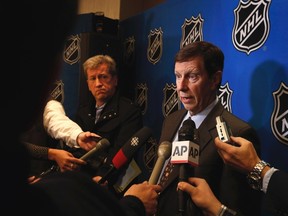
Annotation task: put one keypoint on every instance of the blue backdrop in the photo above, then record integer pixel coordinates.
(253, 36)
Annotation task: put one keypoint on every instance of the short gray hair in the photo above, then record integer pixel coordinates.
(94, 61)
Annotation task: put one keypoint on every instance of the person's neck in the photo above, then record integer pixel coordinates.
(100, 104)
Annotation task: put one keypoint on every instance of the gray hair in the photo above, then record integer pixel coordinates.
(95, 61)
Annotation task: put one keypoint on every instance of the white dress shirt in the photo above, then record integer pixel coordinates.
(59, 126)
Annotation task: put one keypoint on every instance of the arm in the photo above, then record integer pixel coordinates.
(139, 196)
(243, 156)
(146, 193)
(63, 158)
(203, 197)
(59, 126)
(36, 151)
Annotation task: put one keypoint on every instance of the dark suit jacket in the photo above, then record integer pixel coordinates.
(119, 120)
(277, 192)
(229, 186)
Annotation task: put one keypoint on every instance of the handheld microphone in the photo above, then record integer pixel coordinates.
(164, 152)
(101, 145)
(127, 151)
(184, 152)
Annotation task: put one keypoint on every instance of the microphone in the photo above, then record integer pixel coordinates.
(184, 152)
(164, 152)
(101, 145)
(127, 151)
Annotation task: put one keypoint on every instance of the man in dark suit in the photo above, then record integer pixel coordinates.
(107, 114)
(198, 72)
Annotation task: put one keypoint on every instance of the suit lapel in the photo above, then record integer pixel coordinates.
(204, 133)
(208, 125)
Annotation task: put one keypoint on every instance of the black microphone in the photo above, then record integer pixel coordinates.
(186, 133)
(101, 145)
(127, 151)
(164, 152)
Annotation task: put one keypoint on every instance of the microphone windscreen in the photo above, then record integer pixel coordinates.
(128, 150)
(164, 149)
(101, 145)
(186, 132)
(164, 152)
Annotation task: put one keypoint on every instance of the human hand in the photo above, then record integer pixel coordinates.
(201, 194)
(243, 157)
(87, 140)
(65, 160)
(33, 179)
(98, 178)
(147, 193)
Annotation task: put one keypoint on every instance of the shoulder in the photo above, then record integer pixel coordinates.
(235, 121)
(127, 103)
(176, 114)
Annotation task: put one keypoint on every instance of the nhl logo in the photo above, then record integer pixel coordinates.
(192, 30)
(150, 153)
(252, 25)
(225, 96)
(279, 118)
(171, 101)
(129, 50)
(155, 46)
(141, 96)
(71, 53)
(57, 92)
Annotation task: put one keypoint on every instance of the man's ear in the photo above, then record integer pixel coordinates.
(217, 78)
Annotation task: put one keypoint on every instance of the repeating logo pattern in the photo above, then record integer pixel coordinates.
(141, 96)
(129, 50)
(171, 101)
(57, 92)
(225, 96)
(71, 54)
(155, 45)
(279, 118)
(192, 30)
(252, 25)
(150, 153)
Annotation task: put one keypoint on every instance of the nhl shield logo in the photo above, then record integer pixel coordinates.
(252, 26)
(279, 118)
(225, 96)
(57, 92)
(150, 154)
(155, 46)
(71, 53)
(141, 96)
(171, 101)
(192, 30)
(129, 50)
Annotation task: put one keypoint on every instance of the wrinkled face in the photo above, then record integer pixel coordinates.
(195, 88)
(101, 83)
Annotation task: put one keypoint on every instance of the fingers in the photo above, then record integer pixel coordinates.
(184, 186)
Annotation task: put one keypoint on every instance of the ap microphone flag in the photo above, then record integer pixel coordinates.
(185, 152)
